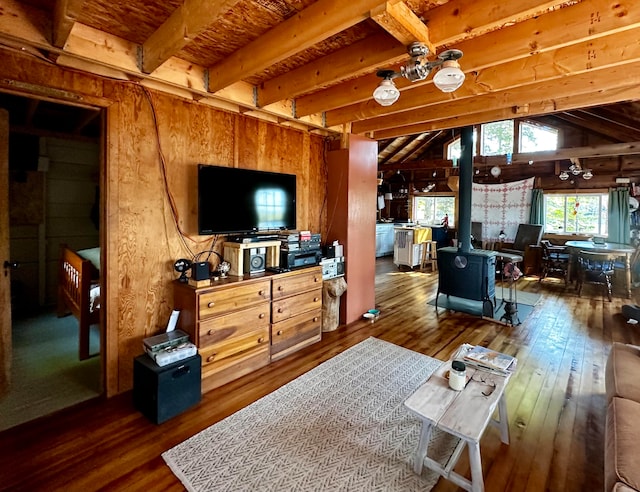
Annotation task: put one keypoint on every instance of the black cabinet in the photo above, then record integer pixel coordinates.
(161, 393)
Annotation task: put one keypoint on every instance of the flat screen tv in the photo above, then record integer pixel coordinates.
(233, 200)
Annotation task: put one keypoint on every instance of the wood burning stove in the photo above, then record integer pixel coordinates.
(468, 275)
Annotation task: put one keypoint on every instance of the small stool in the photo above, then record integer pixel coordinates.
(429, 255)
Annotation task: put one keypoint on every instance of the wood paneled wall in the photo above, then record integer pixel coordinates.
(150, 136)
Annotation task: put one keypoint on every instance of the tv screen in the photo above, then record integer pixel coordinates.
(233, 200)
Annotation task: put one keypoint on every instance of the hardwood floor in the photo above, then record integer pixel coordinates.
(555, 400)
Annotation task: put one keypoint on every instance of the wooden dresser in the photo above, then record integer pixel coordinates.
(240, 324)
(296, 311)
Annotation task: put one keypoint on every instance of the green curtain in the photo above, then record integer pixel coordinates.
(536, 214)
(619, 218)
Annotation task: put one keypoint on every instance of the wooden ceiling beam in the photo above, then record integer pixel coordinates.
(606, 52)
(391, 148)
(403, 153)
(609, 117)
(609, 129)
(591, 84)
(477, 17)
(312, 25)
(400, 150)
(540, 107)
(424, 144)
(357, 59)
(186, 23)
(477, 20)
(65, 14)
(400, 21)
(545, 33)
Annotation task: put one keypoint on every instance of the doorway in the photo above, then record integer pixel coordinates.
(55, 155)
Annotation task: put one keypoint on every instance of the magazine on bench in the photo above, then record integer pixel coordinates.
(484, 358)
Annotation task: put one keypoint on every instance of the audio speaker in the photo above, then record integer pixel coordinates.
(200, 270)
(161, 393)
(255, 260)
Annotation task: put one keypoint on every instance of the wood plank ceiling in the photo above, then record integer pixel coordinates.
(312, 64)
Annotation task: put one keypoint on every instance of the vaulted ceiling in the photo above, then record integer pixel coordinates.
(312, 64)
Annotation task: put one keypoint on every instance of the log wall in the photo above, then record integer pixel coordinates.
(150, 136)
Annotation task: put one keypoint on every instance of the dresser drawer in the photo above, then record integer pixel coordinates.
(295, 333)
(295, 282)
(217, 353)
(219, 301)
(221, 328)
(294, 305)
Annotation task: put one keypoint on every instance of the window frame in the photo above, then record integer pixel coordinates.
(435, 196)
(524, 122)
(603, 219)
(478, 137)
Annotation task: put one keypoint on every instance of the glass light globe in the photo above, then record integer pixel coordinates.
(587, 174)
(449, 77)
(386, 93)
(564, 175)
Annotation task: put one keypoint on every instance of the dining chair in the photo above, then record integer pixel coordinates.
(595, 268)
(555, 261)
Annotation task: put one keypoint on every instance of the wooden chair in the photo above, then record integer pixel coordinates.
(429, 255)
(555, 261)
(595, 268)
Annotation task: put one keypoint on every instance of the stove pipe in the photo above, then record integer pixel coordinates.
(465, 188)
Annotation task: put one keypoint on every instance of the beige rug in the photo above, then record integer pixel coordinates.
(341, 426)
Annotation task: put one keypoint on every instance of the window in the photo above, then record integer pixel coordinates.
(454, 148)
(432, 209)
(535, 137)
(497, 138)
(576, 213)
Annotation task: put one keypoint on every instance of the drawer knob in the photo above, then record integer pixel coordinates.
(261, 293)
(316, 279)
(211, 304)
(211, 358)
(280, 287)
(260, 340)
(316, 299)
(210, 332)
(279, 332)
(315, 319)
(280, 310)
(261, 315)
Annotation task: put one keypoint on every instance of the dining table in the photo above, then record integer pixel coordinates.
(619, 249)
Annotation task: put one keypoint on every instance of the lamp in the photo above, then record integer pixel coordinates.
(386, 93)
(448, 78)
(576, 169)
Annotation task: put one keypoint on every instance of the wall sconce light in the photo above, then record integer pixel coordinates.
(388, 196)
(448, 78)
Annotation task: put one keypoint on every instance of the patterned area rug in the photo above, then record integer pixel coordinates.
(341, 426)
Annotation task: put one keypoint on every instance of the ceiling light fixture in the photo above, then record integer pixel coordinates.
(448, 78)
(386, 93)
(576, 169)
